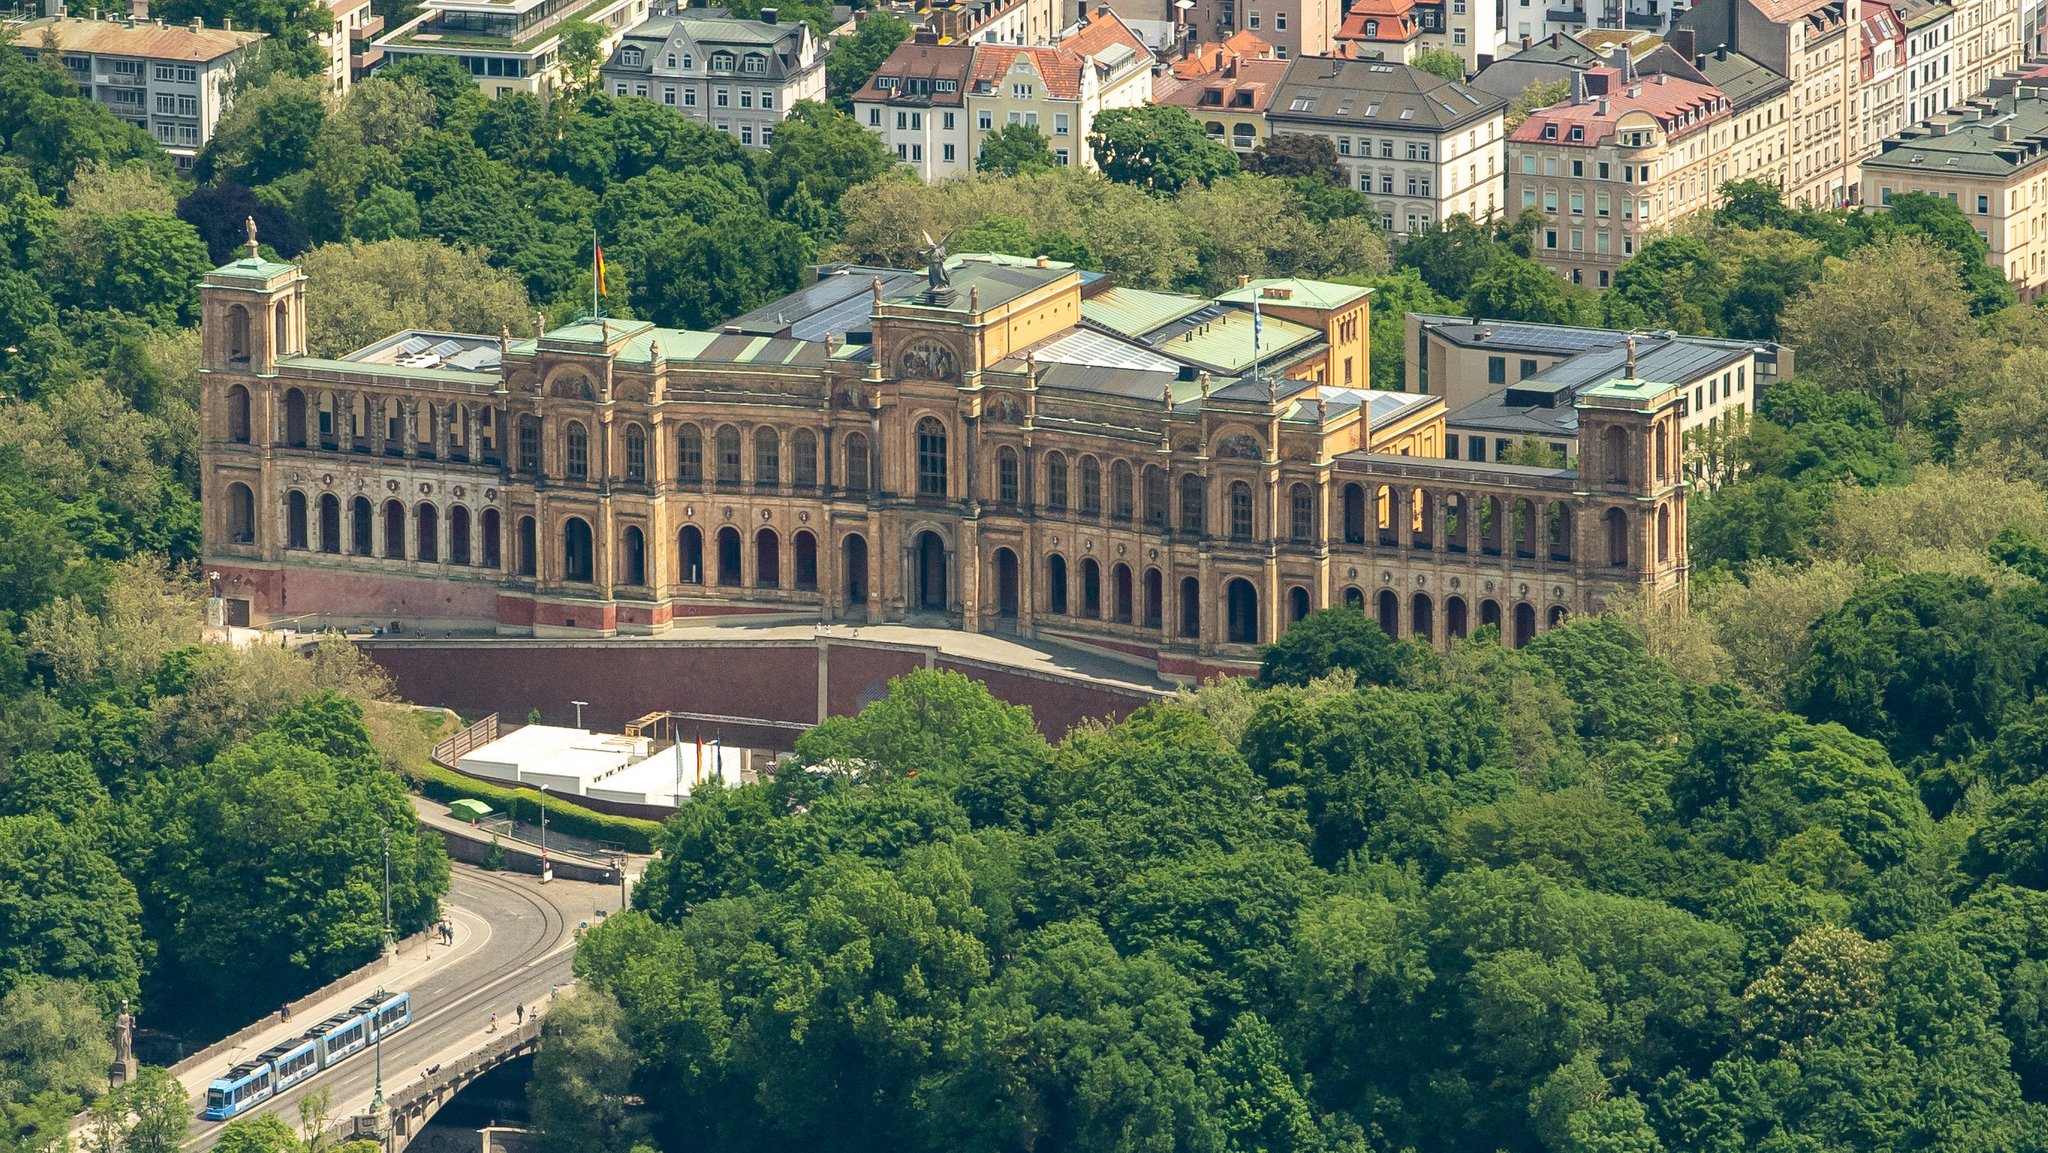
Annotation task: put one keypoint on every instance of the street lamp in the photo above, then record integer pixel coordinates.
(579, 712)
(387, 888)
(543, 822)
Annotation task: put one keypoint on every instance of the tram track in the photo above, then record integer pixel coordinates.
(439, 1008)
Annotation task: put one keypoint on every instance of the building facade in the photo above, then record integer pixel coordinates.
(1425, 148)
(170, 80)
(983, 445)
(1623, 160)
(740, 77)
(933, 103)
(508, 45)
(1295, 28)
(1228, 93)
(917, 103)
(1990, 159)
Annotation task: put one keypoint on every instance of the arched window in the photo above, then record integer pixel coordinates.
(295, 520)
(1056, 584)
(578, 562)
(1154, 593)
(1190, 607)
(728, 555)
(1194, 505)
(1617, 537)
(1354, 514)
(636, 453)
(1091, 588)
(690, 555)
(1121, 594)
(767, 559)
(238, 334)
(529, 444)
(690, 455)
(528, 546)
(238, 414)
(1056, 482)
(490, 552)
(576, 442)
(728, 449)
(280, 333)
(1155, 496)
(458, 535)
(856, 462)
(294, 418)
(330, 523)
(1560, 528)
(1614, 451)
(806, 548)
(427, 521)
(1301, 514)
(1008, 475)
(1663, 534)
(1120, 500)
(635, 544)
(1091, 487)
(362, 526)
(1663, 451)
(803, 458)
(767, 458)
(1240, 510)
(931, 458)
(394, 530)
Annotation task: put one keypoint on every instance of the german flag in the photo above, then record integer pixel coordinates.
(597, 260)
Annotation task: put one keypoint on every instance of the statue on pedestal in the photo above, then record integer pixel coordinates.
(122, 1070)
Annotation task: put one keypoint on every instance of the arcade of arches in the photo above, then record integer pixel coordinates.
(617, 477)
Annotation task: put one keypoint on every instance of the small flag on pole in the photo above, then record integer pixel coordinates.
(597, 257)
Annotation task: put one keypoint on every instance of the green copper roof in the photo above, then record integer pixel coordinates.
(1632, 389)
(255, 268)
(1318, 294)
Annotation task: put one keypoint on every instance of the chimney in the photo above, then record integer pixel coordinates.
(1603, 106)
(198, 25)
(1043, 262)
(1525, 43)
(2001, 132)
(770, 15)
(1683, 41)
(54, 8)
(139, 9)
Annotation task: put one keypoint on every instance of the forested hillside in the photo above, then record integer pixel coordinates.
(1555, 899)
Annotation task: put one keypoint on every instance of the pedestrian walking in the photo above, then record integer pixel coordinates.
(522, 1014)
(552, 990)
(494, 1024)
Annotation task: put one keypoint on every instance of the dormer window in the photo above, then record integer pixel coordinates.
(1372, 28)
(721, 62)
(1578, 132)
(1213, 97)
(1550, 132)
(630, 57)
(756, 64)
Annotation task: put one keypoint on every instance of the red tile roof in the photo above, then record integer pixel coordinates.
(1393, 21)
(926, 62)
(1221, 89)
(1680, 107)
(1203, 59)
(1059, 67)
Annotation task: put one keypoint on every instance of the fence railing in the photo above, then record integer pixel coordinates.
(474, 737)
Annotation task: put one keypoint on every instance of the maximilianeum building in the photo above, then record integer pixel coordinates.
(992, 444)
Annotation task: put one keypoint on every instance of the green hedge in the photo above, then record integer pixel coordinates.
(446, 785)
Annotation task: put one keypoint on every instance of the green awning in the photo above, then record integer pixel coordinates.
(470, 809)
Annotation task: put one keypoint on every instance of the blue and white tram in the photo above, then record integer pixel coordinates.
(324, 1045)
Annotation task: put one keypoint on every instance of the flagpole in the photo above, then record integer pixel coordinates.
(1257, 325)
(596, 271)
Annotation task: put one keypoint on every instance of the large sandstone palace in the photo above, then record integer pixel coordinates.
(989, 443)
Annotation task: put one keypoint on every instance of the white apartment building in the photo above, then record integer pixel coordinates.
(1425, 148)
(740, 77)
(170, 80)
(508, 45)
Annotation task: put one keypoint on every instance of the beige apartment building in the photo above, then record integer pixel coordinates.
(1989, 159)
(1986, 43)
(1752, 143)
(1425, 148)
(932, 104)
(1295, 28)
(1809, 42)
(1624, 159)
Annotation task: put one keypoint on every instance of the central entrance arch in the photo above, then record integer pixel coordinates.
(1241, 602)
(853, 552)
(931, 572)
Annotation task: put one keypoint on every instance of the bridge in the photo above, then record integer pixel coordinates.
(411, 1107)
(514, 942)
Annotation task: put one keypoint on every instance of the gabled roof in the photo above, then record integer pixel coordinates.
(1380, 22)
(1105, 43)
(929, 63)
(1369, 92)
(1679, 106)
(146, 40)
(1203, 59)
